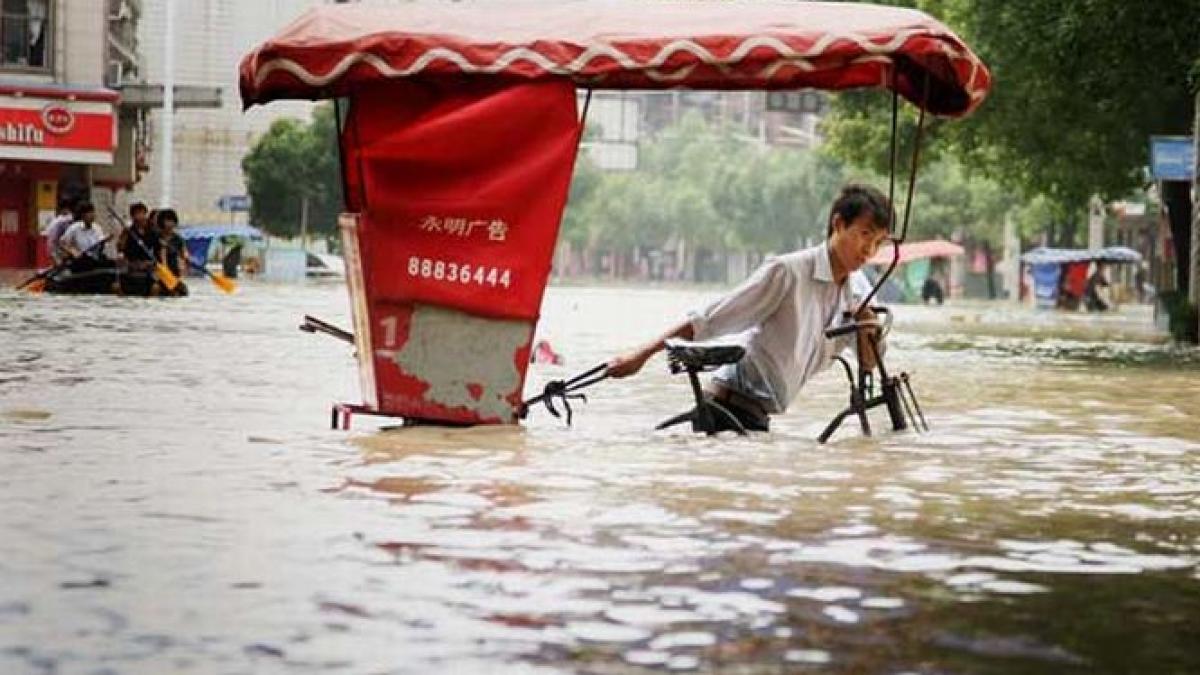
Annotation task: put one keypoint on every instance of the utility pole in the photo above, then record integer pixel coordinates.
(304, 223)
(168, 118)
(1095, 223)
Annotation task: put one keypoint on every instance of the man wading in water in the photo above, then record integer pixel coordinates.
(781, 313)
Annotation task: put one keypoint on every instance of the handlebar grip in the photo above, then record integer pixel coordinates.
(843, 329)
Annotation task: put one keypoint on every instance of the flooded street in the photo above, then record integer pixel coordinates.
(172, 501)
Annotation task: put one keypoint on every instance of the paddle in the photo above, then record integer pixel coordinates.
(164, 273)
(221, 281)
(37, 282)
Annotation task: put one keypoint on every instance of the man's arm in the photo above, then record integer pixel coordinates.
(631, 362)
(743, 307)
(866, 355)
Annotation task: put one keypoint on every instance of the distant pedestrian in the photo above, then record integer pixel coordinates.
(57, 227)
(932, 290)
(232, 260)
(1097, 288)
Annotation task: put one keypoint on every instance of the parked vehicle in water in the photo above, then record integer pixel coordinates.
(325, 266)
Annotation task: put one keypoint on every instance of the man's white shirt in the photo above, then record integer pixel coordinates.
(81, 237)
(781, 313)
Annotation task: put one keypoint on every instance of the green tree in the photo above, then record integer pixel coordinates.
(295, 160)
(1078, 89)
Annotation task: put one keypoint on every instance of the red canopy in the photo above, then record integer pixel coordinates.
(916, 250)
(333, 50)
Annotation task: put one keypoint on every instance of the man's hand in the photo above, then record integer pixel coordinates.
(866, 336)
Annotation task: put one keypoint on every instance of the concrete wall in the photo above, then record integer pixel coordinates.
(80, 42)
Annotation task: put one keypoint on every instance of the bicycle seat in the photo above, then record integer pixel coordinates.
(683, 355)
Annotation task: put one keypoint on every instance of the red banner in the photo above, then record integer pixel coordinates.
(461, 193)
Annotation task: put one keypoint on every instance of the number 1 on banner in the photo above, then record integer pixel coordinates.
(388, 323)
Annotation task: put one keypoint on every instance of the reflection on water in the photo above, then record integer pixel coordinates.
(170, 501)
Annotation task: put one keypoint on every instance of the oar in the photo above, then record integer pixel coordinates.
(221, 281)
(37, 282)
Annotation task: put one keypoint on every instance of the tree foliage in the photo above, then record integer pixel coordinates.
(1078, 89)
(294, 160)
(704, 185)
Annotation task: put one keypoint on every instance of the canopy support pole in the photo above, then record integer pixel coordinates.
(339, 125)
(912, 184)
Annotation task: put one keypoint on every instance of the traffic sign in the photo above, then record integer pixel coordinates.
(234, 203)
(1172, 158)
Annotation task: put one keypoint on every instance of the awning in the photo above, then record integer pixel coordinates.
(61, 92)
(216, 231)
(1058, 256)
(333, 50)
(916, 250)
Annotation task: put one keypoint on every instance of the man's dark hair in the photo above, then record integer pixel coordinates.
(82, 208)
(138, 207)
(66, 204)
(856, 199)
(168, 214)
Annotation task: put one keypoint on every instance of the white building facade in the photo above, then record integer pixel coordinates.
(211, 36)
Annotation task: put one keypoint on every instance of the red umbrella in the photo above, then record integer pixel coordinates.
(916, 250)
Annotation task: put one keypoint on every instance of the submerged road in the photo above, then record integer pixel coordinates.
(171, 500)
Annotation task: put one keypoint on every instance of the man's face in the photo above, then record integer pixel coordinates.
(139, 219)
(89, 217)
(854, 243)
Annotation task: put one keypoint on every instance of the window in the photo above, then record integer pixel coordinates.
(24, 33)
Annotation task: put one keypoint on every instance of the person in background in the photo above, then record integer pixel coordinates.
(56, 227)
(139, 243)
(1094, 298)
(932, 290)
(232, 260)
(174, 250)
(82, 240)
(1139, 282)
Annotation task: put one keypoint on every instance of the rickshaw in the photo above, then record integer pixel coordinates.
(458, 131)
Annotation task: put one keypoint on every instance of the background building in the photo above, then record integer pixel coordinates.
(64, 132)
(211, 36)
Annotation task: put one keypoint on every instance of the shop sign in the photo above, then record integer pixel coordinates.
(40, 129)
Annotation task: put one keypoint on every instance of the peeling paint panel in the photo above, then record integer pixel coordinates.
(449, 363)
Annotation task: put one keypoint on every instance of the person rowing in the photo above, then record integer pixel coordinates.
(138, 258)
(80, 239)
(781, 312)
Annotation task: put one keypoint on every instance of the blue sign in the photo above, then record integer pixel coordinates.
(234, 203)
(1172, 158)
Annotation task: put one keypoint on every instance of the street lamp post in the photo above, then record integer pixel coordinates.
(168, 118)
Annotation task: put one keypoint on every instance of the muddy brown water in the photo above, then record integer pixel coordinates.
(172, 501)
